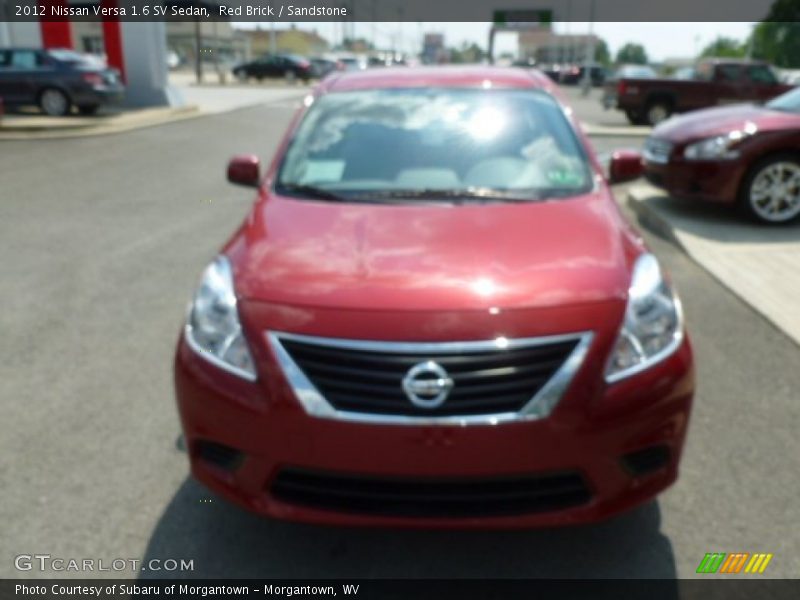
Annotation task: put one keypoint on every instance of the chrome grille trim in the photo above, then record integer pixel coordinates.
(538, 407)
(657, 150)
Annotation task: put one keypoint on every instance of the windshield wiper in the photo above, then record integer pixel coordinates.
(479, 194)
(309, 191)
(453, 195)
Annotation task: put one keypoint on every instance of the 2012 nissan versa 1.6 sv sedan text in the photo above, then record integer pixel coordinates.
(435, 316)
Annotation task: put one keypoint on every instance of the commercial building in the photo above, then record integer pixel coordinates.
(433, 49)
(293, 40)
(546, 46)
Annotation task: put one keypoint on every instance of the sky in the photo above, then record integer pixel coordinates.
(661, 40)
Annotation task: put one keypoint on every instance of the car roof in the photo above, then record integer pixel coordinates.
(439, 76)
(716, 60)
(43, 50)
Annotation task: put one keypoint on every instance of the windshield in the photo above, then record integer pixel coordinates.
(74, 58)
(413, 143)
(636, 73)
(788, 102)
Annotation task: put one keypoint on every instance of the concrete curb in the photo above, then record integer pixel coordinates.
(737, 264)
(46, 128)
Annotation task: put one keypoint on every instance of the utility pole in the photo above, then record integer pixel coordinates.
(589, 59)
(215, 50)
(399, 29)
(198, 49)
(568, 37)
(374, 42)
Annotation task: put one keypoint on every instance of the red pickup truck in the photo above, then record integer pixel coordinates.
(715, 81)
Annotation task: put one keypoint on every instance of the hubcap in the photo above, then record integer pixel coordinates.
(54, 102)
(775, 192)
(658, 113)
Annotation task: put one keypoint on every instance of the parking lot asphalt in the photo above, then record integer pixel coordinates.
(103, 240)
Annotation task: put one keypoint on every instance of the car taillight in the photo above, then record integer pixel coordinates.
(620, 88)
(93, 78)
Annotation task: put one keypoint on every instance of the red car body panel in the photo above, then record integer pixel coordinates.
(720, 180)
(435, 273)
(437, 257)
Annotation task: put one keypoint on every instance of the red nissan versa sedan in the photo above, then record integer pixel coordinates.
(744, 154)
(435, 316)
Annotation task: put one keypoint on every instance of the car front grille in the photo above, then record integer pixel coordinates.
(488, 378)
(657, 150)
(429, 497)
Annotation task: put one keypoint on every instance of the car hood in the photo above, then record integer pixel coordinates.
(719, 120)
(431, 257)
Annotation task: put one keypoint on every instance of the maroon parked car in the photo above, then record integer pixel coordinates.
(745, 154)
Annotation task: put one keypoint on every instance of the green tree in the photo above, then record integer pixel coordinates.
(467, 53)
(601, 53)
(633, 54)
(725, 47)
(777, 38)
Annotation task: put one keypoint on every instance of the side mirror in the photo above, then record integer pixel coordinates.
(244, 169)
(625, 165)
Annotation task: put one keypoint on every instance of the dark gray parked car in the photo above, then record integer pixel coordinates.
(56, 80)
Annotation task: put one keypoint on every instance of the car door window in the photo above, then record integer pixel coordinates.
(728, 73)
(24, 59)
(5, 58)
(761, 75)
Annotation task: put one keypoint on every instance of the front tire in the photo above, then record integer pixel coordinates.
(658, 111)
(770, 192)
(54, 102)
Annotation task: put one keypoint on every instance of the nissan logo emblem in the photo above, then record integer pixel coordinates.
(427, 385)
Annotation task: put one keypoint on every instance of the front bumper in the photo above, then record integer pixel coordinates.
(97, 95)
(708, 181)
(588, 433)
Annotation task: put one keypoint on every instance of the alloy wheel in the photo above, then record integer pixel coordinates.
(54, 102)
(775, 192)
(657, 113)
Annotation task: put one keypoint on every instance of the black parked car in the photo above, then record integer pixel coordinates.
(57, 80)
(287, 66)
(574, 74)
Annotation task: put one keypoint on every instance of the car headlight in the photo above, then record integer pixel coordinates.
(213, 329)
(719, 146)
(653, 324)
